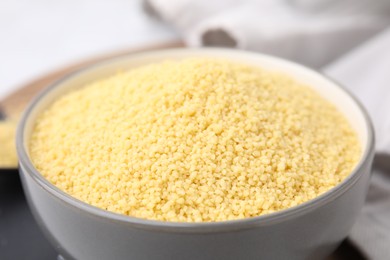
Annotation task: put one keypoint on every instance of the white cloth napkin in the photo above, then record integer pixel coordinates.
(347, 39)
(321, 29)
(366, 73)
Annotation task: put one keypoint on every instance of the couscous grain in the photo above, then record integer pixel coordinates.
(8, 158)
(194, 140)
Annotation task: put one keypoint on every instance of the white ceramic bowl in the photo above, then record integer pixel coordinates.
(311, 230)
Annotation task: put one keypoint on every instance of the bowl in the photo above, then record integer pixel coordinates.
(311, 230)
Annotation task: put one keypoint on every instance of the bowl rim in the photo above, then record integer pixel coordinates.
(26, 166)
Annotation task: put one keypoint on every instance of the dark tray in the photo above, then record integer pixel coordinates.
(20, 236)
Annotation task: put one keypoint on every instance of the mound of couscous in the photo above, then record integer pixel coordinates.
(8, 158)
(194, 140)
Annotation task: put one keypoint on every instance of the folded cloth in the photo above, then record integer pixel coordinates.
(366, 73)
(312, 32)
(316, 33)
(371, 232)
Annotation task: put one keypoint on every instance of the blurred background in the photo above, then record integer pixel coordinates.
(39, 36)
(348, 40)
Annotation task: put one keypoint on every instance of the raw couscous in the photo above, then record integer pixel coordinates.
(194, 140)
(8, 158)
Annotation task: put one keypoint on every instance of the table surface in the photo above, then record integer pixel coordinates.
(39, 36)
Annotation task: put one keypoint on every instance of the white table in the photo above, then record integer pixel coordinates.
(38, 36)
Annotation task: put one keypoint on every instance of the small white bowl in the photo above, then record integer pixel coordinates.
(311, 230)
